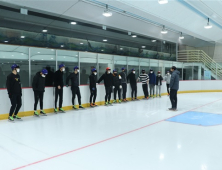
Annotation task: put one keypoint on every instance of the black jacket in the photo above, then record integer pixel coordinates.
(108, 79)
(159, 79)
(132, 78)
(92, 81)
(13, 84)
(38, 83)
(123, 75)
(58, 79)
(116, 80)
(74, 80)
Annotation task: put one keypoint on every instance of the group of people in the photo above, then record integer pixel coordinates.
(114, 82)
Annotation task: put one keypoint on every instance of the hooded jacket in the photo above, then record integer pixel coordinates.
(108, 79)
(74, 80)
(38, 83)
(132, 78)
(152, 78)
(174, 81)
(167, 78)
(159, 79)
(117, 81)
(123, 75)
(92, 81)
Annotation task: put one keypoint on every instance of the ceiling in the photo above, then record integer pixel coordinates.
(141, 17)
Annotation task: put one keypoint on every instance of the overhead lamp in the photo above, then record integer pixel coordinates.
(44, 30)
(107, 12)
(81, 43)
(162, 2)
(62, 46)
(5, 41)
(153, 41)
(181, 37)
(134, 36)
(73, 23)
(105, 40)
(22, 36)
(143, 46)
(164, 31)
(121, 48)
(208, 26)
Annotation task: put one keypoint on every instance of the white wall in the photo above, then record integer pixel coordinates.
(28, 96)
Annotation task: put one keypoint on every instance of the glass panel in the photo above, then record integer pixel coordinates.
(43, 58)
(167, 65)
(70, 59)
(179, 67)
(144, 64)
(133, 62)
(104, 61)
(88, 61)
(187, 71)
(120, 62)
(9, 55)
(161, 67)
(154, 64)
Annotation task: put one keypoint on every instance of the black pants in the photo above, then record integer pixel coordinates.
(168, 88)
(108, 93)
(124, 86)
(134, 90)
(16, 101)
(173, 98)
(145, 90)
(93, 95)
(76, 91)
(58, 92)
(117, 89)
(38, 96)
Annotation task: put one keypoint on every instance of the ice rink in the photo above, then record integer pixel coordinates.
(138, 135)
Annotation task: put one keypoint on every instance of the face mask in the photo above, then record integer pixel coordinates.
(151, 72)
(77, 71)
(143, 72)
(18, 70)
(63, 69)
(108, 72)
(115, 73)
(158, 74)
(43, 75)
(134, 72)
(95, 74)
(168, 73)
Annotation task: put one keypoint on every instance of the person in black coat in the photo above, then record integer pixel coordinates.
(58, 83)
(117, 85)
(159, 80)
(74, 77)
(133, 83)
(124, 83)
(13, 84)
(92, 86)
(38, 86)
(108, 83)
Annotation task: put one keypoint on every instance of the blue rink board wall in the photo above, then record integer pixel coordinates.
(28, 96)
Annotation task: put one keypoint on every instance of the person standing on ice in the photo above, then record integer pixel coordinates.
(145, 80)
(124, 83)
(174, 87)
(92, 86)
(152, 83)
(74, 77)
(108, 83)
(58, 83)
(13, 84)
(133, 83)
(117, 85)
(38, 86)
(167, 79)
(159, 80)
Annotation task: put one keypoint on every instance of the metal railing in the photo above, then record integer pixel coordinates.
(200, 56)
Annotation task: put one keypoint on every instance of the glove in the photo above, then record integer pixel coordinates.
(120, 77)
(113, 87)
(93, 88)
(67, 85)
(120, 86)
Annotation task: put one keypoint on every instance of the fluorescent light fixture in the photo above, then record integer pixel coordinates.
(81, 43)
(107, 12)
(134, 36)
(62, 45)
(38, 52)
(22, 36)
(73, 23)
(181, 37)
(5, 41)
(44, 30)
(121, 48)
(143, 46)
(102, 50)
(208, 26)
(105, 40)
(164, 31)
(52, 58)
(162, 2)
(153, 41)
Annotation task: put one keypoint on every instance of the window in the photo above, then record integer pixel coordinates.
(119, 63)
(104, 62)
(133, 63)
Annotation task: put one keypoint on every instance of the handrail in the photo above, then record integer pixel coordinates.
(200, 56)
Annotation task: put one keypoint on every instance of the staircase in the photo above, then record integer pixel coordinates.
(199, 56)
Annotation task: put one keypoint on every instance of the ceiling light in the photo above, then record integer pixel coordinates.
(22, 36)
(5, 41)
(73, 23)
(62, 45)
(105, 40)
(52, 58)
(164, 31)
(143, 46)
(181, 36)
(208, 26)
(102, 50)
(38, 52)
(153, 40)
(44, 30)
(162, 2)
(121, 48)
(106, 12)
(81, 43)
(134, 36)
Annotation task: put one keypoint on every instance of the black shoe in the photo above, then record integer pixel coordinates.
(43, 113)
(81, 107)
(172, 109)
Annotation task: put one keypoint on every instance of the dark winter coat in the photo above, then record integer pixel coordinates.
(92, 81)
(174, 81)
(58, 79)
(132, 79)
(74, 80)
(159, 79)
(123, 75)
(108, 79)
(116, 80)
(13, 84)
(152, 78)
(38, 83)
